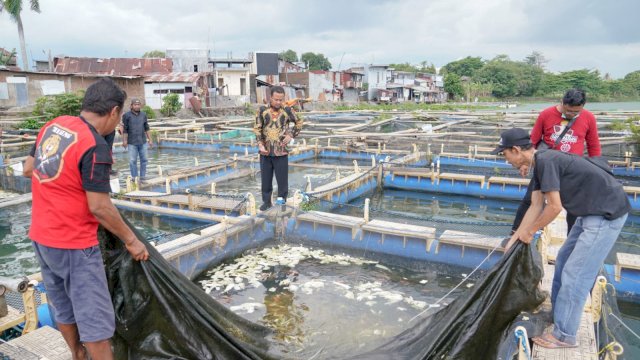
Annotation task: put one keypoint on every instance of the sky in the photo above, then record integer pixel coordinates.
(599, 35)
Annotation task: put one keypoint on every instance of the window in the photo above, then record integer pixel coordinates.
(195, 68)
(161, 91)
(188, 89)
(243, 86)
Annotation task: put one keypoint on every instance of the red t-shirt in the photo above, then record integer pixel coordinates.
(70, 159)
(551, 124)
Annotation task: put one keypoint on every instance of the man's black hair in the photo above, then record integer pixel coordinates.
(277, 89)
(574, 97)
(102, 96)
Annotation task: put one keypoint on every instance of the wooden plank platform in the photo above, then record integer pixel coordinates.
(403, 230)
(420, 173)
(626, 261)
(15, 200)
(182, 201)
(339, 183)
(160, 210)
(13, 318)
(329, 218)
(587, 344)
(456, 155)
(462, 177)
(632, 190)
(43, 343)
(465, 239)
(498, 180)
(334, 220)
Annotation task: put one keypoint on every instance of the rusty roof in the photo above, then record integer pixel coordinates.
(112, 66)
(185, 77)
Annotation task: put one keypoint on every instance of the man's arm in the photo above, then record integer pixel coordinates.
(297, 119)
(102, 208)
(592, 139)
(125, 131)
(27, 168)
(147, 131)
(538, 219)
(535, 209)
(257, 130)
(536, 132)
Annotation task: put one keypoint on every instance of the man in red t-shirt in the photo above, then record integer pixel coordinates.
(550, 124)
(553, 120)
(69, 168)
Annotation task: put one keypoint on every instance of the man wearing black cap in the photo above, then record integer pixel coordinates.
(586, 188)
(565, 127)
(135, 136)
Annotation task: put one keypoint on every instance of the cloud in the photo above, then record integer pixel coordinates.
(572, 34)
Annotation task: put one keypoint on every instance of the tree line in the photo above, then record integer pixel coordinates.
(501, 77)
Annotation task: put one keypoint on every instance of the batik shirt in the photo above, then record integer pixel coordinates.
(273, 125)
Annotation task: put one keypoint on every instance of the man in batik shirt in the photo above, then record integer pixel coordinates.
(273, 135)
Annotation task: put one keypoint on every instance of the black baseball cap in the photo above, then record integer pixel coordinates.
(512, 137)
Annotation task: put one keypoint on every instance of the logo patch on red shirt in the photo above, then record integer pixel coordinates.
(49, 159)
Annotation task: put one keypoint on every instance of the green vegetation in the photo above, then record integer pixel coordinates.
(410, 106)
(249, 110)
(170, 105)
(32, 124)
(634, 126)
(316, 61)
(289, 55)
(9, 58)
(51, 106)
(381, 117)
(149, 111)
(618, 125)
(154, 54)
(14, 8)
(504, 78)
(154, 136)
(453, 84)
(311, 205)
(422, 68)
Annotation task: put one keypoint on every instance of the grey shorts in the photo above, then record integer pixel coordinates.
(76, 286)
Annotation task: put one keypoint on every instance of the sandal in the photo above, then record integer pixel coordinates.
(548, 341)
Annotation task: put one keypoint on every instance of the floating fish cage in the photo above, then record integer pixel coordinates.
(238, 255)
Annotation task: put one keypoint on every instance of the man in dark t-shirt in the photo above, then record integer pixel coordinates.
(586, 188)
(136, 138)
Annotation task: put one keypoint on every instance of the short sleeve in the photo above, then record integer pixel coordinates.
(95, 168)
(547, 175)
(32, 152)
(125, 123)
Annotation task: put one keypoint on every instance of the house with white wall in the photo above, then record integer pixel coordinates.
(376, 78)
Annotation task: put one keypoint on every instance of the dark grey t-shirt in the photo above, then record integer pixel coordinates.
(585, 189)
(135, 127)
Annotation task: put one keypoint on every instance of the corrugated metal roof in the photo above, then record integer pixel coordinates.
(112, 66)
(17, 70)
(185, 77)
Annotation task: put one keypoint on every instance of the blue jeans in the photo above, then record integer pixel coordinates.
(577, 266)
(134, 152)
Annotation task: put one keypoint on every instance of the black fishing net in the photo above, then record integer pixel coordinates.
(162, 314)
(472, 326)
